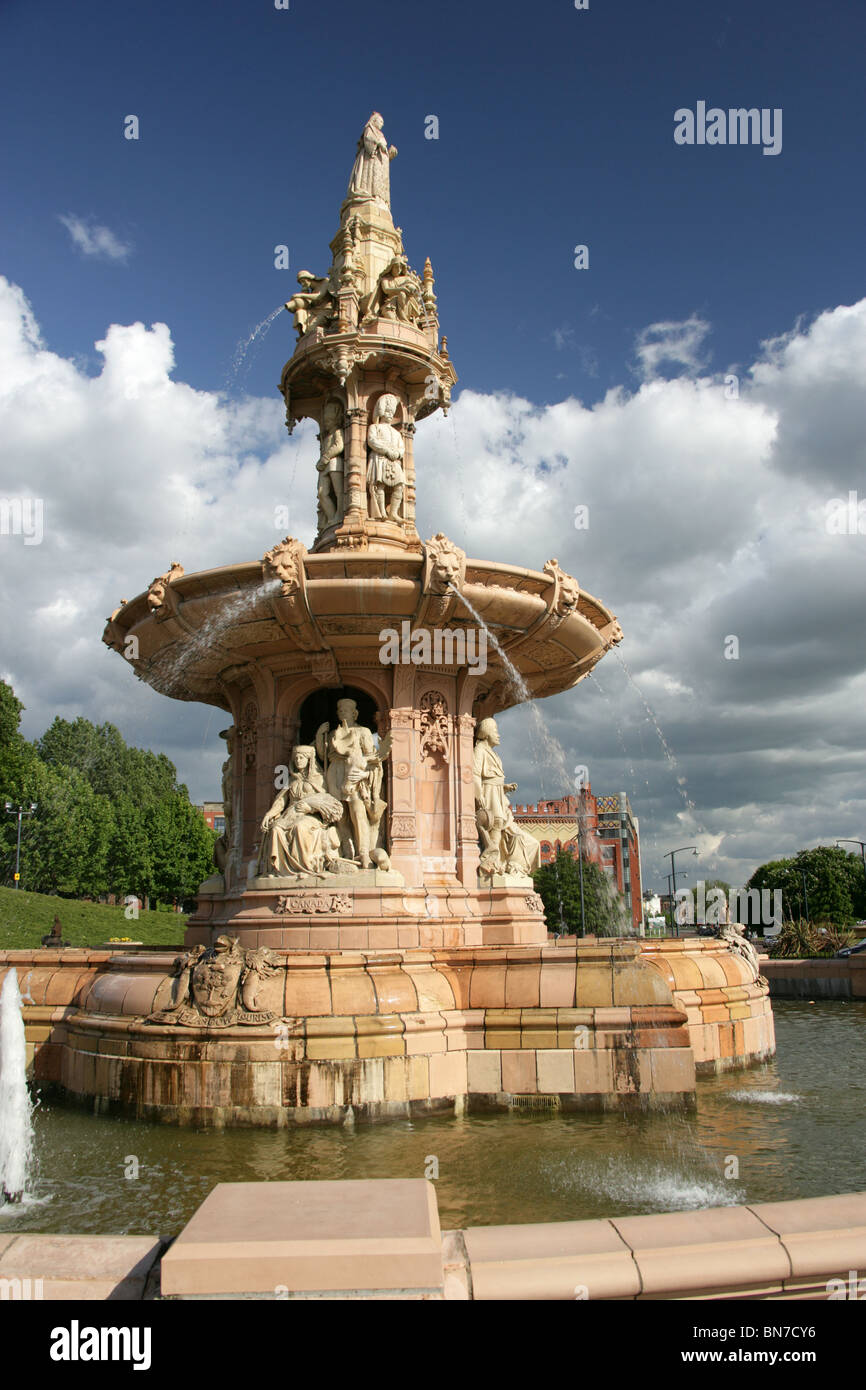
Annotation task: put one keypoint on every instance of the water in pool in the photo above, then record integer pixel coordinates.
(796, 1126)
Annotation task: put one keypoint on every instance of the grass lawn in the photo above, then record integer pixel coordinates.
(26, 917)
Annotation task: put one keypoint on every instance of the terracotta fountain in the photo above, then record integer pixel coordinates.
(370, 942)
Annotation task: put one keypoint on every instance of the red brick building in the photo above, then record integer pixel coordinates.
(608, 830)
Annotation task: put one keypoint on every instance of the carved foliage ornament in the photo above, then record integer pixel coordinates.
(248, 730)
(434, 724)
(402, 827)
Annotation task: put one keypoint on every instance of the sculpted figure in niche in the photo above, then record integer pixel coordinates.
(299, 834)
(330, 465)
(371, 172)
(313, 304)
(385, 476)
(396, 296)
(507, 847)
(353, 775)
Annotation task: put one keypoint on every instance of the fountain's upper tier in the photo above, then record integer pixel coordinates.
(330, 615)
(368, 364)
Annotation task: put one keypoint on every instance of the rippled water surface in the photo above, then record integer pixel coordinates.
(796, 1126)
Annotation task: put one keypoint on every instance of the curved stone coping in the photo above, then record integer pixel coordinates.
(768, 1250)
(820, 979)
(728, 1008)
(358, 1239)
(596, 975)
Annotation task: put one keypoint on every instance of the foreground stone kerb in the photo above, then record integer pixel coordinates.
(280, 1237)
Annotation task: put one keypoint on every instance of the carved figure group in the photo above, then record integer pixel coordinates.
(397, 294)
(507, 847)
(328, 818)
(353, 776)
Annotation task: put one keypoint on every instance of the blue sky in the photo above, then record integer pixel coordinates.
(556, 128)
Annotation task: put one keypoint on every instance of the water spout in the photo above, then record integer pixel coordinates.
(16, 1126)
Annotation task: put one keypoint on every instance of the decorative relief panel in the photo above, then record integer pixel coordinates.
(310, 903)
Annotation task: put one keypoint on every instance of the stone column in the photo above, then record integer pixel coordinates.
(355, 457)
(468, 851)
(409, 471)
(403, 830)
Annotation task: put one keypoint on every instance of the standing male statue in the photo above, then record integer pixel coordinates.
(353, 774)
(385, 476)
(330, 465)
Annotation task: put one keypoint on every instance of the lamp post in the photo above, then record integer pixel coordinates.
(580, 865)
(861, 843)
(671, 856)
(805, 892)
(674, 925)
(20, 812)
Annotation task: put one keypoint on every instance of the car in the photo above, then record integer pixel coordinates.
(851, 950)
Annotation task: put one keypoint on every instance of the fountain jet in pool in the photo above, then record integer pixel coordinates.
(16, 1127)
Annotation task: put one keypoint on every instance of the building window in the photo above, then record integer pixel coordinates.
(219, 823)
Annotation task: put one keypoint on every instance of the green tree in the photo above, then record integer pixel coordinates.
(824, 875)
(64, 846)
(181, 847)
(558, 885)
(130, 862)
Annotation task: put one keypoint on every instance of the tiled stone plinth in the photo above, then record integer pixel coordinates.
(390, 1033)
(77, 1267)
(279, 1238)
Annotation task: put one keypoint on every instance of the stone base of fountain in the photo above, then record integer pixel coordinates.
(366, 1036)
(379, 914)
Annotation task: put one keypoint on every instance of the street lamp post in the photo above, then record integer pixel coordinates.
(671, 900)
(805, 892)
(580, 865)
(861, 843)
(671, 856)
(20, 812)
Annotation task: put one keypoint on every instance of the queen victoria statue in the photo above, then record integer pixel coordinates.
(371, 172)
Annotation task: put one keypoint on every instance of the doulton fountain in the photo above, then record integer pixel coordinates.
(371, 942)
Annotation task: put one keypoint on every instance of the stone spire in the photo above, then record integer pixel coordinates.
(367, 364)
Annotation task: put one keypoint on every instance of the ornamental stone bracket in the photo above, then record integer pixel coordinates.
(285, 562)
(442, 579)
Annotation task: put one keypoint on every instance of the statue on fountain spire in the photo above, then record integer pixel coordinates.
(370, 176)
